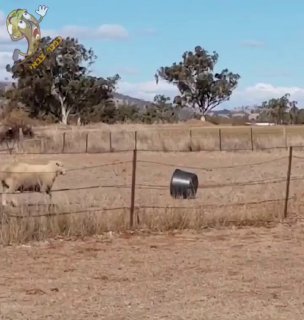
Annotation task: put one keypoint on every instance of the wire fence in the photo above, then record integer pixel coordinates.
(286, 178)
(193, 139)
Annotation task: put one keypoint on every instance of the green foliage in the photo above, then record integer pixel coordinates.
(12, 133)
(161, 110)
(155, 114)
(280, 110)
(61, 85)
(2, 93)
(128, 113)
(299, 116)
(161, 100)
(103, 112)
(199, 86)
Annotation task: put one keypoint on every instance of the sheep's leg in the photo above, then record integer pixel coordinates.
(47, 191)
(49, 205)
(4, 197)
(6, 191)
(12, 190)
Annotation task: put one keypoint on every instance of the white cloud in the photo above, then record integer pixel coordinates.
(251, 95)
(112, 31)
(148, 32)
(128, 71)
(147, 90)
(260, 92)
(5, 58)
(102, 32)
(4, 37)
(2, 18)
(6, 46)
(253, 44)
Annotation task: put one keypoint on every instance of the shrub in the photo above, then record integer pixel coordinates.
(12, 133)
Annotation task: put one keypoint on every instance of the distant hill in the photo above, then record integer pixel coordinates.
(3, 85)
(120, 99)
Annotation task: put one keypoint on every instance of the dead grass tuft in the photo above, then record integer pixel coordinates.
(41, 224)
(197, 219)
(37, 224)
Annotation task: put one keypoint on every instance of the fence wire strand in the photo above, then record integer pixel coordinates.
(213, 168)
(65, 213)
(235, 204)
(298, 157)
(72, 169)
(138, 208)
(164, 187)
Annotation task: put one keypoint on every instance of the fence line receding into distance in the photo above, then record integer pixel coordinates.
(193, 139)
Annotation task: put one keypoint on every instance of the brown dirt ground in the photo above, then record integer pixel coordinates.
(218, 274)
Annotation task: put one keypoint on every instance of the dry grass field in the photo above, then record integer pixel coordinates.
(94, 196)
(237, 262)
(243, 274)
(195, 135)
(93, 184)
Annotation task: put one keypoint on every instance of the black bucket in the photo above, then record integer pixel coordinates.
(183, 184)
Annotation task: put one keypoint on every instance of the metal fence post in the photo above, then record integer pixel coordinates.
(21, 140)
(285, 137)
(220, 139)
(135, 140)
(288, 183)
(110, 141)
(251, 138)
(132, 206)
(63, 141)
(87, 142)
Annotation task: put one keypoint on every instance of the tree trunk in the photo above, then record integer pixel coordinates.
(65, 111)
(64, 114)
(79, 121)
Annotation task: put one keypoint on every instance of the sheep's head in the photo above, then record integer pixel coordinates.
(60, 170)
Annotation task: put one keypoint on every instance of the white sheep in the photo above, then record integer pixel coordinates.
(19, 177)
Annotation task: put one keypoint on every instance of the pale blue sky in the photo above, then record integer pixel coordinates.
(262, 40)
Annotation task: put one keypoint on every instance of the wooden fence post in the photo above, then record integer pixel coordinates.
(132, 207)
(135, 140)
(87, 142)
(42, 146)
(21, 140)
(220, 139)
(110, 141)
(285, 137)
(9, 149)
(288, 183)
(63, 141)
(251, 138)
